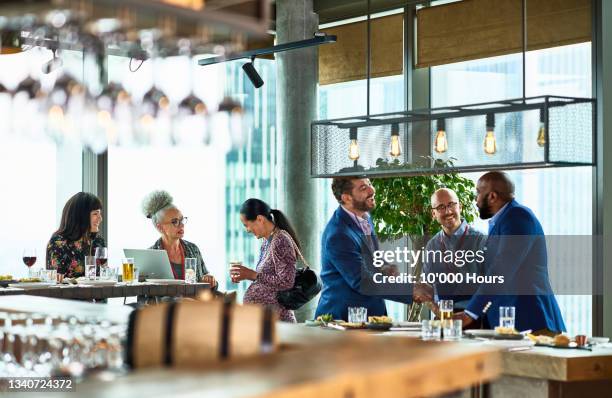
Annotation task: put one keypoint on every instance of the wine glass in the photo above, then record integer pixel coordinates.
(29, 258)
(101, 255)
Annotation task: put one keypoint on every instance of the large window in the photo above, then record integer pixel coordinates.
(209, 181)
(36, 175)
(348, 99)
(562, 71)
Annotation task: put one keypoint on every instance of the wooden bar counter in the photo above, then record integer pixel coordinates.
(83, 292)
(311, 363)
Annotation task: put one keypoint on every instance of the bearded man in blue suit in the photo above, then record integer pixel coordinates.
(348, 244)
(516, 251)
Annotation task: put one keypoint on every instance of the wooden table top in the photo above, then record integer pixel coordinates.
(103, 292)
(559, 364)
(321, 363)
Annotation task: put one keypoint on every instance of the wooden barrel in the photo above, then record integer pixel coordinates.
(195, 333)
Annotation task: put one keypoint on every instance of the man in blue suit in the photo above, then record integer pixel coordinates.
(348, 243)
(516, 251)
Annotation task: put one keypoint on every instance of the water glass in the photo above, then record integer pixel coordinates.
(430, 330)
(190, 269)
(453, 330)
(357, 314)
(506, 317)
(90, 267)
(49, 275)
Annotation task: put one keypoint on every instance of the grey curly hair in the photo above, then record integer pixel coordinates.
(155, 204)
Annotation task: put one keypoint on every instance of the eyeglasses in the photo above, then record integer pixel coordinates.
(178, 221)
(443, 208)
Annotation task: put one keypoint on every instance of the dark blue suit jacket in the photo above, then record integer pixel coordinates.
(342, 264)
(516, 250)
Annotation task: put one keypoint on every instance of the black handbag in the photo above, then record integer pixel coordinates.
(306, 286)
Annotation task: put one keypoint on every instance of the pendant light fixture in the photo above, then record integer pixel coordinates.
(396, 148)
(440, 143)
(490, 145)
(542, 130)
(353, 146)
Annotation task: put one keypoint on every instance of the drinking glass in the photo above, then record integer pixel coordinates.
(357, 314)
(101, 257)
(506, 317)
(430, 330)
(233, 265)
(90, 267)
(454, 331)
(190, 270)
(446, 312)
(29, 258)
(128, 269)
(50, 275)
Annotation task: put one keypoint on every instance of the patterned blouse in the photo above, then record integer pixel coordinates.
(275, 272)
(191, 251)
(68, 257)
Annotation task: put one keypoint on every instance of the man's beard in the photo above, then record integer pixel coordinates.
(484, 210)
(363, 204)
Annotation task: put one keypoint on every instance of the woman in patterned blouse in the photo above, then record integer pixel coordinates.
(77, 235)
(170, 223)
(275, 270)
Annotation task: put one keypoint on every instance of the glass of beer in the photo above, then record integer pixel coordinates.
(128, 270)
(446, 311)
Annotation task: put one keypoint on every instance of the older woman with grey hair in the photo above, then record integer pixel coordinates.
(170, 223)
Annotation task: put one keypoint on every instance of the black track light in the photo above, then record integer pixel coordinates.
(250, 71)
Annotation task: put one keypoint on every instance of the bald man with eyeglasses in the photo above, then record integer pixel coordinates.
(455, 252)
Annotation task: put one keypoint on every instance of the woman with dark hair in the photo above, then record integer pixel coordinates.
(77, 235)
(275, 270)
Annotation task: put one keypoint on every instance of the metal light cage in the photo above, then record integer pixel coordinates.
(569, 138)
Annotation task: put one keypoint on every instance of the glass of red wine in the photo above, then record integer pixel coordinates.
(29, 259)
(101, 255)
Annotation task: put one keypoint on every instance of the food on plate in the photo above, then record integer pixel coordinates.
(380, 319)
(325, 318)
(6, 277)
(30, 280)
(543, 340)
(351, 325)
(505, 330)
(561, 340)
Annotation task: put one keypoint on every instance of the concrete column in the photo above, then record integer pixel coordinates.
(602, 72)
(297, 76)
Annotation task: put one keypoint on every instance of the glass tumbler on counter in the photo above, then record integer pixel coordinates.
(190, 270)
(453, 330)
(90, 267)
(128, 269)
(506, 317)
(357, 314)
(430, 330)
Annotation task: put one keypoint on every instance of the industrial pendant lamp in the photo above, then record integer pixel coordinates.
(490, 145)
(353, 146)
(542, 130)
(396, 149)
(440, 143)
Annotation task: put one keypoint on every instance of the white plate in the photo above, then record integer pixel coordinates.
(511, 345)
(97, 282)
(598, 340)
(32, 285)
(167, 281)
(488, 333)
(406, 324)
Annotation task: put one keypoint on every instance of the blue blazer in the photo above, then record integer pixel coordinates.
(522, 261)
(342, 262)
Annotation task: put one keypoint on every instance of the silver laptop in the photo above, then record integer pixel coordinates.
(152, 264)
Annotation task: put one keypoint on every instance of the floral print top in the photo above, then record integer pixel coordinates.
(68, 257)
(275, 272)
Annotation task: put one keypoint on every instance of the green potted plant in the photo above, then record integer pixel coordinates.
(403, 207)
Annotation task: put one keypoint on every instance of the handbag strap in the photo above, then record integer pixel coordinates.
(295, 247)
